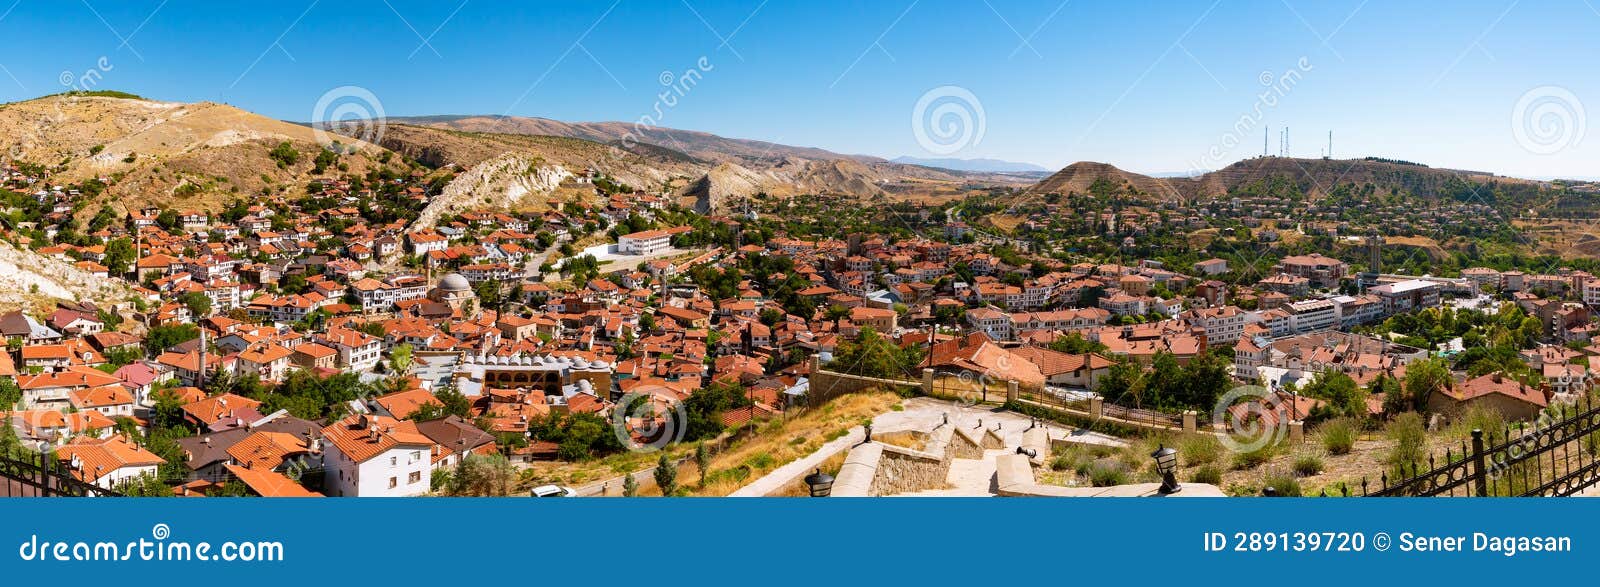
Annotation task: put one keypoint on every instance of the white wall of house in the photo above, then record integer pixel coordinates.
(408, 466)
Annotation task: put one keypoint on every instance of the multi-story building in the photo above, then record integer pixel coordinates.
(1405, 296)
(1313, 315)
(646, 242)
(1322, 271)
(1222, 325)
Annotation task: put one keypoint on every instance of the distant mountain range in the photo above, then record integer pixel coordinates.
(979, 165)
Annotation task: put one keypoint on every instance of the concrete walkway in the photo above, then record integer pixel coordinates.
(967, 477)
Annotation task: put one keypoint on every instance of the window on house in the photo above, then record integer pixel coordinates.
(394, 461)
(394, 482)
(415, 477)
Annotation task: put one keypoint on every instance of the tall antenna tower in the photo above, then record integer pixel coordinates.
(1285, 141)
(1330, 144)
(1264, 131)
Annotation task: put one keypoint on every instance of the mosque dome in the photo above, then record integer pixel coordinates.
(454, 282)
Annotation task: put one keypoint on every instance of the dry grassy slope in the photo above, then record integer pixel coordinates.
(1078, 177)
(221, 149)
(1314, 176)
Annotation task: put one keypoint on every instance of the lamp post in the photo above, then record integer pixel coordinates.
(821, 483)
(1166, 464)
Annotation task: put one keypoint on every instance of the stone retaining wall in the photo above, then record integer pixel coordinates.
(826, 385)
(963, 446)
(905, 471)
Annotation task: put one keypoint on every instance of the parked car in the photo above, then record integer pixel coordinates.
(553, 491)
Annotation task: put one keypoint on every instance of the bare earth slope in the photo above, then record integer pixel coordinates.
(153, 148)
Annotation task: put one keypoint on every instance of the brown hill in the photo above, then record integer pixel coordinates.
(1315, 177)
(182, 155)
(698, 144)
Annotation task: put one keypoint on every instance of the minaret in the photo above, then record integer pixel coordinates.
(200, 377)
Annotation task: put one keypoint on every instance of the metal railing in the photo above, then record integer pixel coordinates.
(36, 475)
(1549, 457)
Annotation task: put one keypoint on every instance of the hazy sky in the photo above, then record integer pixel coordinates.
(1149, 86)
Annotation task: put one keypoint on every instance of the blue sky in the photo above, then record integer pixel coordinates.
(1148, 86)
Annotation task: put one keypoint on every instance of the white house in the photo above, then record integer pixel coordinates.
(107, 462)
(375, 456)
(358, 351)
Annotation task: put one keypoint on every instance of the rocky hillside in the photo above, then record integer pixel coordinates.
(709, 169)
(31, 280)
(508, 181)
(198, 155)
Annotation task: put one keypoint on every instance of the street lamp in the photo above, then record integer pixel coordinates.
(821, 483)
(1166, 464)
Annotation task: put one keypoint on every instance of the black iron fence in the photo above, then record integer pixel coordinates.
(1142, 415)
(37, 475)
(1553, 456)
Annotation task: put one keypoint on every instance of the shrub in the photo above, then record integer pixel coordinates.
(1199, 449)
(1255, 458)
(1410, 438)
(1106, 473)
(1207, 474)
(1339, 435)
(1063, 462)
(1284, 484)
(1307, 465)
(1481, 417)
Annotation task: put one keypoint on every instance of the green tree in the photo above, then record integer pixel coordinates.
(874, 356)
(1423, 378)
(702, 461)
(1076, 344)
(146, 485)
(119, 254)
(630, 486)
(10, 396)
(284, 154)
(1341, 395)
(164, 337)
(199, 304)
(666, 476)
(482, 476)
(455, 403)
(400, 359)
